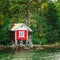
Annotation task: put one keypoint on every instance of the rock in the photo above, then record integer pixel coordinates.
(31, 46)
(26, 48)
(13, 46)
(2, 47)
(23, 46)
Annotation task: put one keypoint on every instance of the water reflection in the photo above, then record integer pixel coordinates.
(31, 55)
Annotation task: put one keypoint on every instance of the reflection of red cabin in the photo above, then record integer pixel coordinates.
(20, 32)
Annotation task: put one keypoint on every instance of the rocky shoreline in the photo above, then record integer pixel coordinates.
(37, 47)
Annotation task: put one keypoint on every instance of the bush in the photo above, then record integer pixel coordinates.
(44, 41)
(36, 41)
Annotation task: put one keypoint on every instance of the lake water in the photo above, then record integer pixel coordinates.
(30, 55)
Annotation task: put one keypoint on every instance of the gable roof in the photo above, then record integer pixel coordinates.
(16, 26)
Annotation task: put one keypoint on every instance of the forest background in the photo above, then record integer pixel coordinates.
(43, 16)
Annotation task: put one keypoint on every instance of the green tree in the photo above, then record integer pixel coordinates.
(40, 15)
(52, 19)
(4, 21)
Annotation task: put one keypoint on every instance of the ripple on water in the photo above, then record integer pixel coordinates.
(31, 55)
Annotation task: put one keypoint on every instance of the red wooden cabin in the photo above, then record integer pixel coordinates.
(20, 32)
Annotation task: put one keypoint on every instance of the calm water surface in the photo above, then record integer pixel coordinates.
(30, 55)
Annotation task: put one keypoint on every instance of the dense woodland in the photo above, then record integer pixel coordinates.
(43, 16)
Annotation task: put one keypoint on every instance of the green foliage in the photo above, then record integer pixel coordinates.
(58, 11)
(35, 39)
(4, 34)
(41, 15)
(44, 41)
(52, 20)
(52, 16)
(53, 37)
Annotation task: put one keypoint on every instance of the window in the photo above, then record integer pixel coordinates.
(21, 34)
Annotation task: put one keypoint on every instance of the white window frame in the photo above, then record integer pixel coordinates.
(20, 32)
